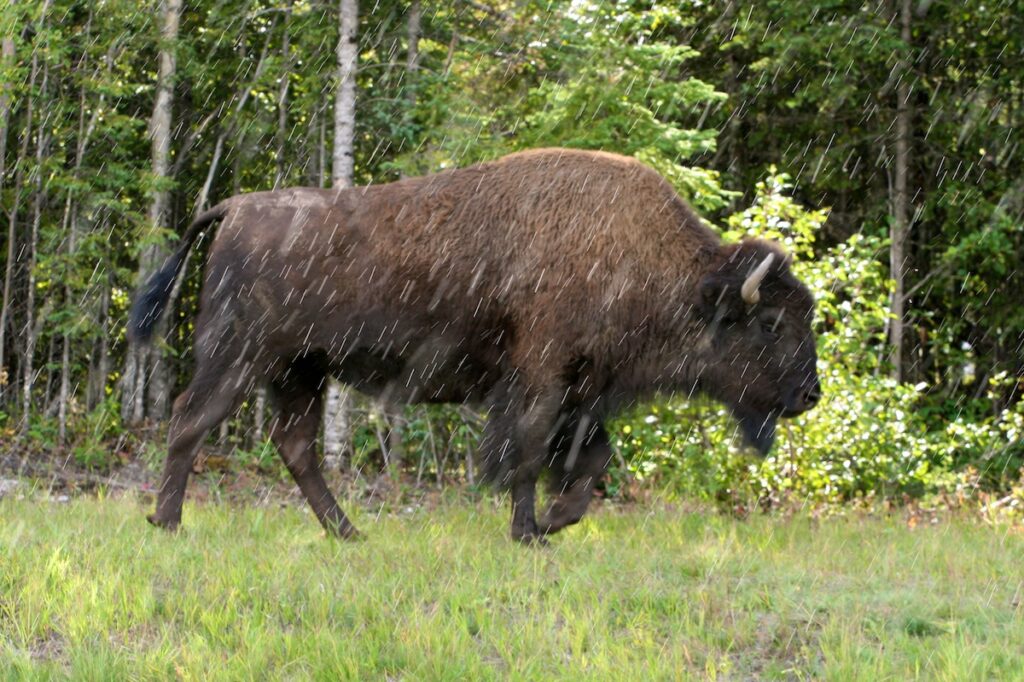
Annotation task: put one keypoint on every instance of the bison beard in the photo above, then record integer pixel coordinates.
(549, 287)
(758, 428)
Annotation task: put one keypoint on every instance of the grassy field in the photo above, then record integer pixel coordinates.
(87, 589)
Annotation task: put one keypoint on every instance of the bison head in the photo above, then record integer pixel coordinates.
(758, 349)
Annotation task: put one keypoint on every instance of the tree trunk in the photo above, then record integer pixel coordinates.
(259, 418)
(64, 397)
(282, 102)
(32, 329)
(70, 225)
(412, 52)
(322, 153)
(98, 372)
(345, 96)
(7, 55)
(160, 129)
(138, 355)
(900, 226)
(337, 421)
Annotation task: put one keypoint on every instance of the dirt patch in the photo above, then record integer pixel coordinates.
(49, 649)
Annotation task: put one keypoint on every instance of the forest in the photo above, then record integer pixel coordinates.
(878, 141)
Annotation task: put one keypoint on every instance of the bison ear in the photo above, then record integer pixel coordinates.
(720, 299)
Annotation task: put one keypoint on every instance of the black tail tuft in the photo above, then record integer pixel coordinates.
(151, 301)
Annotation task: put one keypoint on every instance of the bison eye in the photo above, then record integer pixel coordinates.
(771, 325)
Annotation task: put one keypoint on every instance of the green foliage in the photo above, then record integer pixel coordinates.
(430, 442)
(97, 430)
(262, 457)
(716, 96)
(622, 92)
(591, 76)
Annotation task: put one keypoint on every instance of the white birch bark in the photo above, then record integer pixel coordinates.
(138, 357)
(337, 408)
(345, 95)
(159, 396)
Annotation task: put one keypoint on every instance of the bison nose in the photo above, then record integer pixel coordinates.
(803, 398)
(812, 394)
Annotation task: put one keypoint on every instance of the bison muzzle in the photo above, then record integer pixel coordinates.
(550, 287)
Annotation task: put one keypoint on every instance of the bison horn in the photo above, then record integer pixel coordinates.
(749, 290)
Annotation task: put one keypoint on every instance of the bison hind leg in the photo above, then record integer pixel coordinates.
(216, 390)
(297, 398)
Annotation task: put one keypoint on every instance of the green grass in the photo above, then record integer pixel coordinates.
(88, 590)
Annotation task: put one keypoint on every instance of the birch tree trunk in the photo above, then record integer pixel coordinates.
(282, 101)
(159, 394)
(321, 156)
(337, 408)
(412, 52)
(901, 201)
(345, 95)
(133, 396)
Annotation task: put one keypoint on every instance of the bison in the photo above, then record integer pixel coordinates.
(550, 287)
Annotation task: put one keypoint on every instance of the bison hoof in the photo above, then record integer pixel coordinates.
(552, 523)
(531, 539)
(343, 531)
(171, 525)
(349, 534)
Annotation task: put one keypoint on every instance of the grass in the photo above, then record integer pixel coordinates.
(88, 590)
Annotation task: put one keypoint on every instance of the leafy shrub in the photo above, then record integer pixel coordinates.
(93, 435)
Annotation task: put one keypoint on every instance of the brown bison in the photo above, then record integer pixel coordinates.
(550, 287)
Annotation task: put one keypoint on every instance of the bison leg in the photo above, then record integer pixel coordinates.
(582, 462)
(214, 393)
(534, 432)
(504, 465)
(298, 403)
(524, 520)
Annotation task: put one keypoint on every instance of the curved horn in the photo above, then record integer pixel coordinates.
(749, 290)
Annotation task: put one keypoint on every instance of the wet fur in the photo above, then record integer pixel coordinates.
(550, 287)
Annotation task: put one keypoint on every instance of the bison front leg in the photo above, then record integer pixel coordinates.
(298, 405)
(534, 431)
(575, 472)
(524, 516)
(504, 464)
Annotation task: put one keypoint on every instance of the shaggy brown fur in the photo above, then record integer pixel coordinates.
(549, 286)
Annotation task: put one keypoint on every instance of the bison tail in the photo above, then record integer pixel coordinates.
(151, 300)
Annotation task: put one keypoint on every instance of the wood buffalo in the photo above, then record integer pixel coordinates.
(549, 287)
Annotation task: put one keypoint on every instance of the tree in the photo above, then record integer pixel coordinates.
(337, 429)
(8, 80)
(134, 381)
(901, 200)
